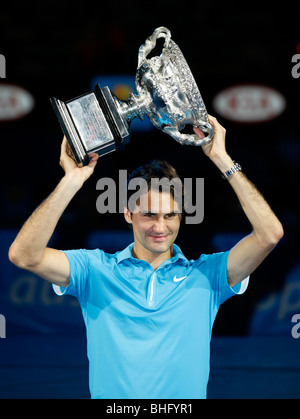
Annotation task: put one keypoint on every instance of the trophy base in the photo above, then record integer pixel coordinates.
(91, 123)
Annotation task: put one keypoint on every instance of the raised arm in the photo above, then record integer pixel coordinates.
(29, 250)
(246, 255)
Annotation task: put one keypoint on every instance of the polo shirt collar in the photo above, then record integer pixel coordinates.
(127, 254)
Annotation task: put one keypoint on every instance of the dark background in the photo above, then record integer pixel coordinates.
(54, 49)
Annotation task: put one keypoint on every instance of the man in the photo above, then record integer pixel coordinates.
(148, 311)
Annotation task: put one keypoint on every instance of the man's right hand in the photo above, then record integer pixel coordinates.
(29, 250)
(69, 165)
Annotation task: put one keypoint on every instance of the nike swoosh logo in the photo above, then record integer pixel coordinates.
(175, 279)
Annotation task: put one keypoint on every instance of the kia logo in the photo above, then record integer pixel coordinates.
(15, 102)
(249, 103)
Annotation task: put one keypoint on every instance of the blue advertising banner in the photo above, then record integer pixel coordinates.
(122, 85)
(28, 303)
(279, 312)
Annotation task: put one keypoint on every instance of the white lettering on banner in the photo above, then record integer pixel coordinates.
(273, 314)
(23, 290)
(289, 303)
(30, 290)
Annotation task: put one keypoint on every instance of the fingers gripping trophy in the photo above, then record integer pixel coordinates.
(167, 93)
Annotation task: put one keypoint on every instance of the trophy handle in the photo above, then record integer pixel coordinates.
(154, 83)
(191, 139)
(150, 43)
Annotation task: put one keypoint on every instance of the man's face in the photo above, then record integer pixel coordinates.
(155, 222)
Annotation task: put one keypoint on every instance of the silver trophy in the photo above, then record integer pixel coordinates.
(167, 93)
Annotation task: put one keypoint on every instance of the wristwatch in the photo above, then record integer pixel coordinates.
(236, 168)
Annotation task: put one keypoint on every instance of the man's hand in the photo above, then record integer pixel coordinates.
(69, 165)
(215, 149)
(29, 250)
(246, 255)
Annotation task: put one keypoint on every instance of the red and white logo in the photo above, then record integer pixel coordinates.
(15, 102)
(249, 103)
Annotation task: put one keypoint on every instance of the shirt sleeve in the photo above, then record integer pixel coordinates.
(215, 267)
(79, 271)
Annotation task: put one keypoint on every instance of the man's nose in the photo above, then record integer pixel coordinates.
(160, 225)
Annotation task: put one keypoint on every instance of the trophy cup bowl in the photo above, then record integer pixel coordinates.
(167, 93)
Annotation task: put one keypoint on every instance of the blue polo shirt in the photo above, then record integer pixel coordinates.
(148, 331)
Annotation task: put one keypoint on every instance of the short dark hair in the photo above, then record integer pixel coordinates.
(155, 169)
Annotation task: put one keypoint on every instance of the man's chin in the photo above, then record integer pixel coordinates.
(160, 246)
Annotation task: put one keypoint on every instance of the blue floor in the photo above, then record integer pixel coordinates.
(46, 366)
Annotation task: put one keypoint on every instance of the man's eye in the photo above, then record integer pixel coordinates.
(172, 215)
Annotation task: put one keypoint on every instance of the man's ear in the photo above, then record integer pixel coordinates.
(127, 215)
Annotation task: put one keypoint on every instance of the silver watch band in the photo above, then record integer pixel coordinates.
(236, 168)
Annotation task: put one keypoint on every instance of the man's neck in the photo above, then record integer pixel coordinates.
(154, 259)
